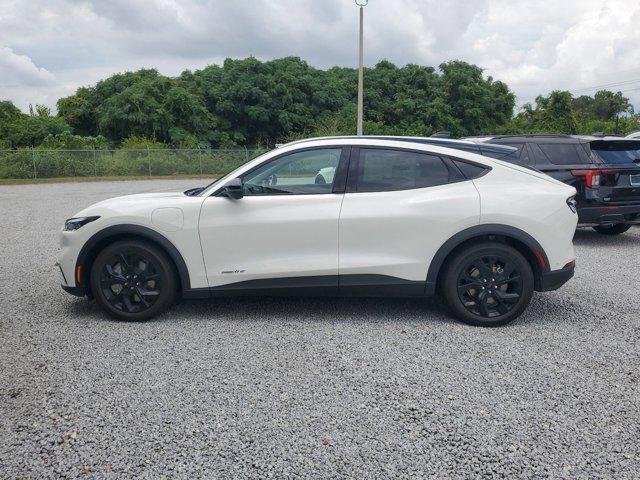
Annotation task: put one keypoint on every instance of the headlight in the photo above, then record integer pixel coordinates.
(573, 205)
(76, 223)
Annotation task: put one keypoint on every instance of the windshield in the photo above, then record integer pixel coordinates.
(617, 153)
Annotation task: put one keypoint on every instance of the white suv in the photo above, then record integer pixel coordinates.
(391, 218)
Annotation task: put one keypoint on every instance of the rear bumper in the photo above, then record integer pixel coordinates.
(554, 279)
(589, 216)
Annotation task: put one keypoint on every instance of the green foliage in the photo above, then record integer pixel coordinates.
(68, 141)
(18, 129)
(605, 112)
(41, 163)
(134, 142)
(248, 102)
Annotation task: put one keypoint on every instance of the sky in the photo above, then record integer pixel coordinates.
(49, 48)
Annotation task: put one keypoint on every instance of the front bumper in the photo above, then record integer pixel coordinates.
(607, 214)
(554, 279)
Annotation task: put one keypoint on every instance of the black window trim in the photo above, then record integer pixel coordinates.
(339, 179)
(354, 163)
(486, 168)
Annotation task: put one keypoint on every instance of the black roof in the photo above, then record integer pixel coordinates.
(461, 144)
(548, 138)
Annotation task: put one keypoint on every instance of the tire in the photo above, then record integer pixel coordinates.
(133, 280)
(612, 229)
(487, 285)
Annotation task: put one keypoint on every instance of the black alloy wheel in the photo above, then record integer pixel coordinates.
(133, 280)
(488, 285)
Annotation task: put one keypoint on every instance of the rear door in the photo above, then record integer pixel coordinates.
(399, 208)
(620, 159)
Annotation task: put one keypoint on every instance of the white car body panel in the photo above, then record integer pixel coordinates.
(380, 233)
(397, 233)
(547, 218)
(270, 236)
(138, 210)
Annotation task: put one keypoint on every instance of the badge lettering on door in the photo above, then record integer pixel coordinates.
(232, 271)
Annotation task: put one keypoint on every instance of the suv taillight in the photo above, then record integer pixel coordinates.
(592, 178)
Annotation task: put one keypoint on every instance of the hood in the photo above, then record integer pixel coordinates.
(152, 195)
(137, 203)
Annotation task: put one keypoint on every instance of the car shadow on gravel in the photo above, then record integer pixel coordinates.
(544, 309)
(286, 309)
(590, 238)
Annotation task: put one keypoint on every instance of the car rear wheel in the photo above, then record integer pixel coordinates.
(612, 229)
(133, 280)
(487, 285)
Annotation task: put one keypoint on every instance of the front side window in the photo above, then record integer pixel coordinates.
(306, 172)
(382, 170)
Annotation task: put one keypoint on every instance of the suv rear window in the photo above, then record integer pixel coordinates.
(616, 153)
(562, 153)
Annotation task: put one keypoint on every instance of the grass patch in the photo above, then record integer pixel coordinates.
(29, 181)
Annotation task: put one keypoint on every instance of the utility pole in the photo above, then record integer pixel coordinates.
(361, 4)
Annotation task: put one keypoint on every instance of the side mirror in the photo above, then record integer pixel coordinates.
(233, 189)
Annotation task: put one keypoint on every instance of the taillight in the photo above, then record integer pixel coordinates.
(592, 178)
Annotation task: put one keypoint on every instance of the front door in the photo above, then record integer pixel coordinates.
(283, 228)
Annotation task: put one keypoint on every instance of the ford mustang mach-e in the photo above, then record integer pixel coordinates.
(394, 218)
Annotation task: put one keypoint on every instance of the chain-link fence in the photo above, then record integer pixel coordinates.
(36, 163)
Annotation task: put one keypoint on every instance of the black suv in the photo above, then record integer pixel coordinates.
(604, 170)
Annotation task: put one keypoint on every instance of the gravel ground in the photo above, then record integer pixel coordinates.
(310, 387)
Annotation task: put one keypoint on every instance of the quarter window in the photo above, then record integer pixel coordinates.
(521, 156)
(562, 153)
(382, 170)
(309, 171)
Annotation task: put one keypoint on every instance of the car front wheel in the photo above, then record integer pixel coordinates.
(133, 280)
(612, 229)
(488, 285)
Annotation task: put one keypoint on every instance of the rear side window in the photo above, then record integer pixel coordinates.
(470, 170)
(381, 170)
(563, 153)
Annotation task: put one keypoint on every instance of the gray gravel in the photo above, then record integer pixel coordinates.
(310, 387)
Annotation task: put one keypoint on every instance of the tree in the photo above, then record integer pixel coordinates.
(249, 102)
(478, 105)
(20, 130)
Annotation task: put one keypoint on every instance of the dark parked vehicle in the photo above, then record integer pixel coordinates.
(501, 152)
(604, 170)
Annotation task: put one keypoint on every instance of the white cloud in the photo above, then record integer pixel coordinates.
(20, 70)
(534, 46)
